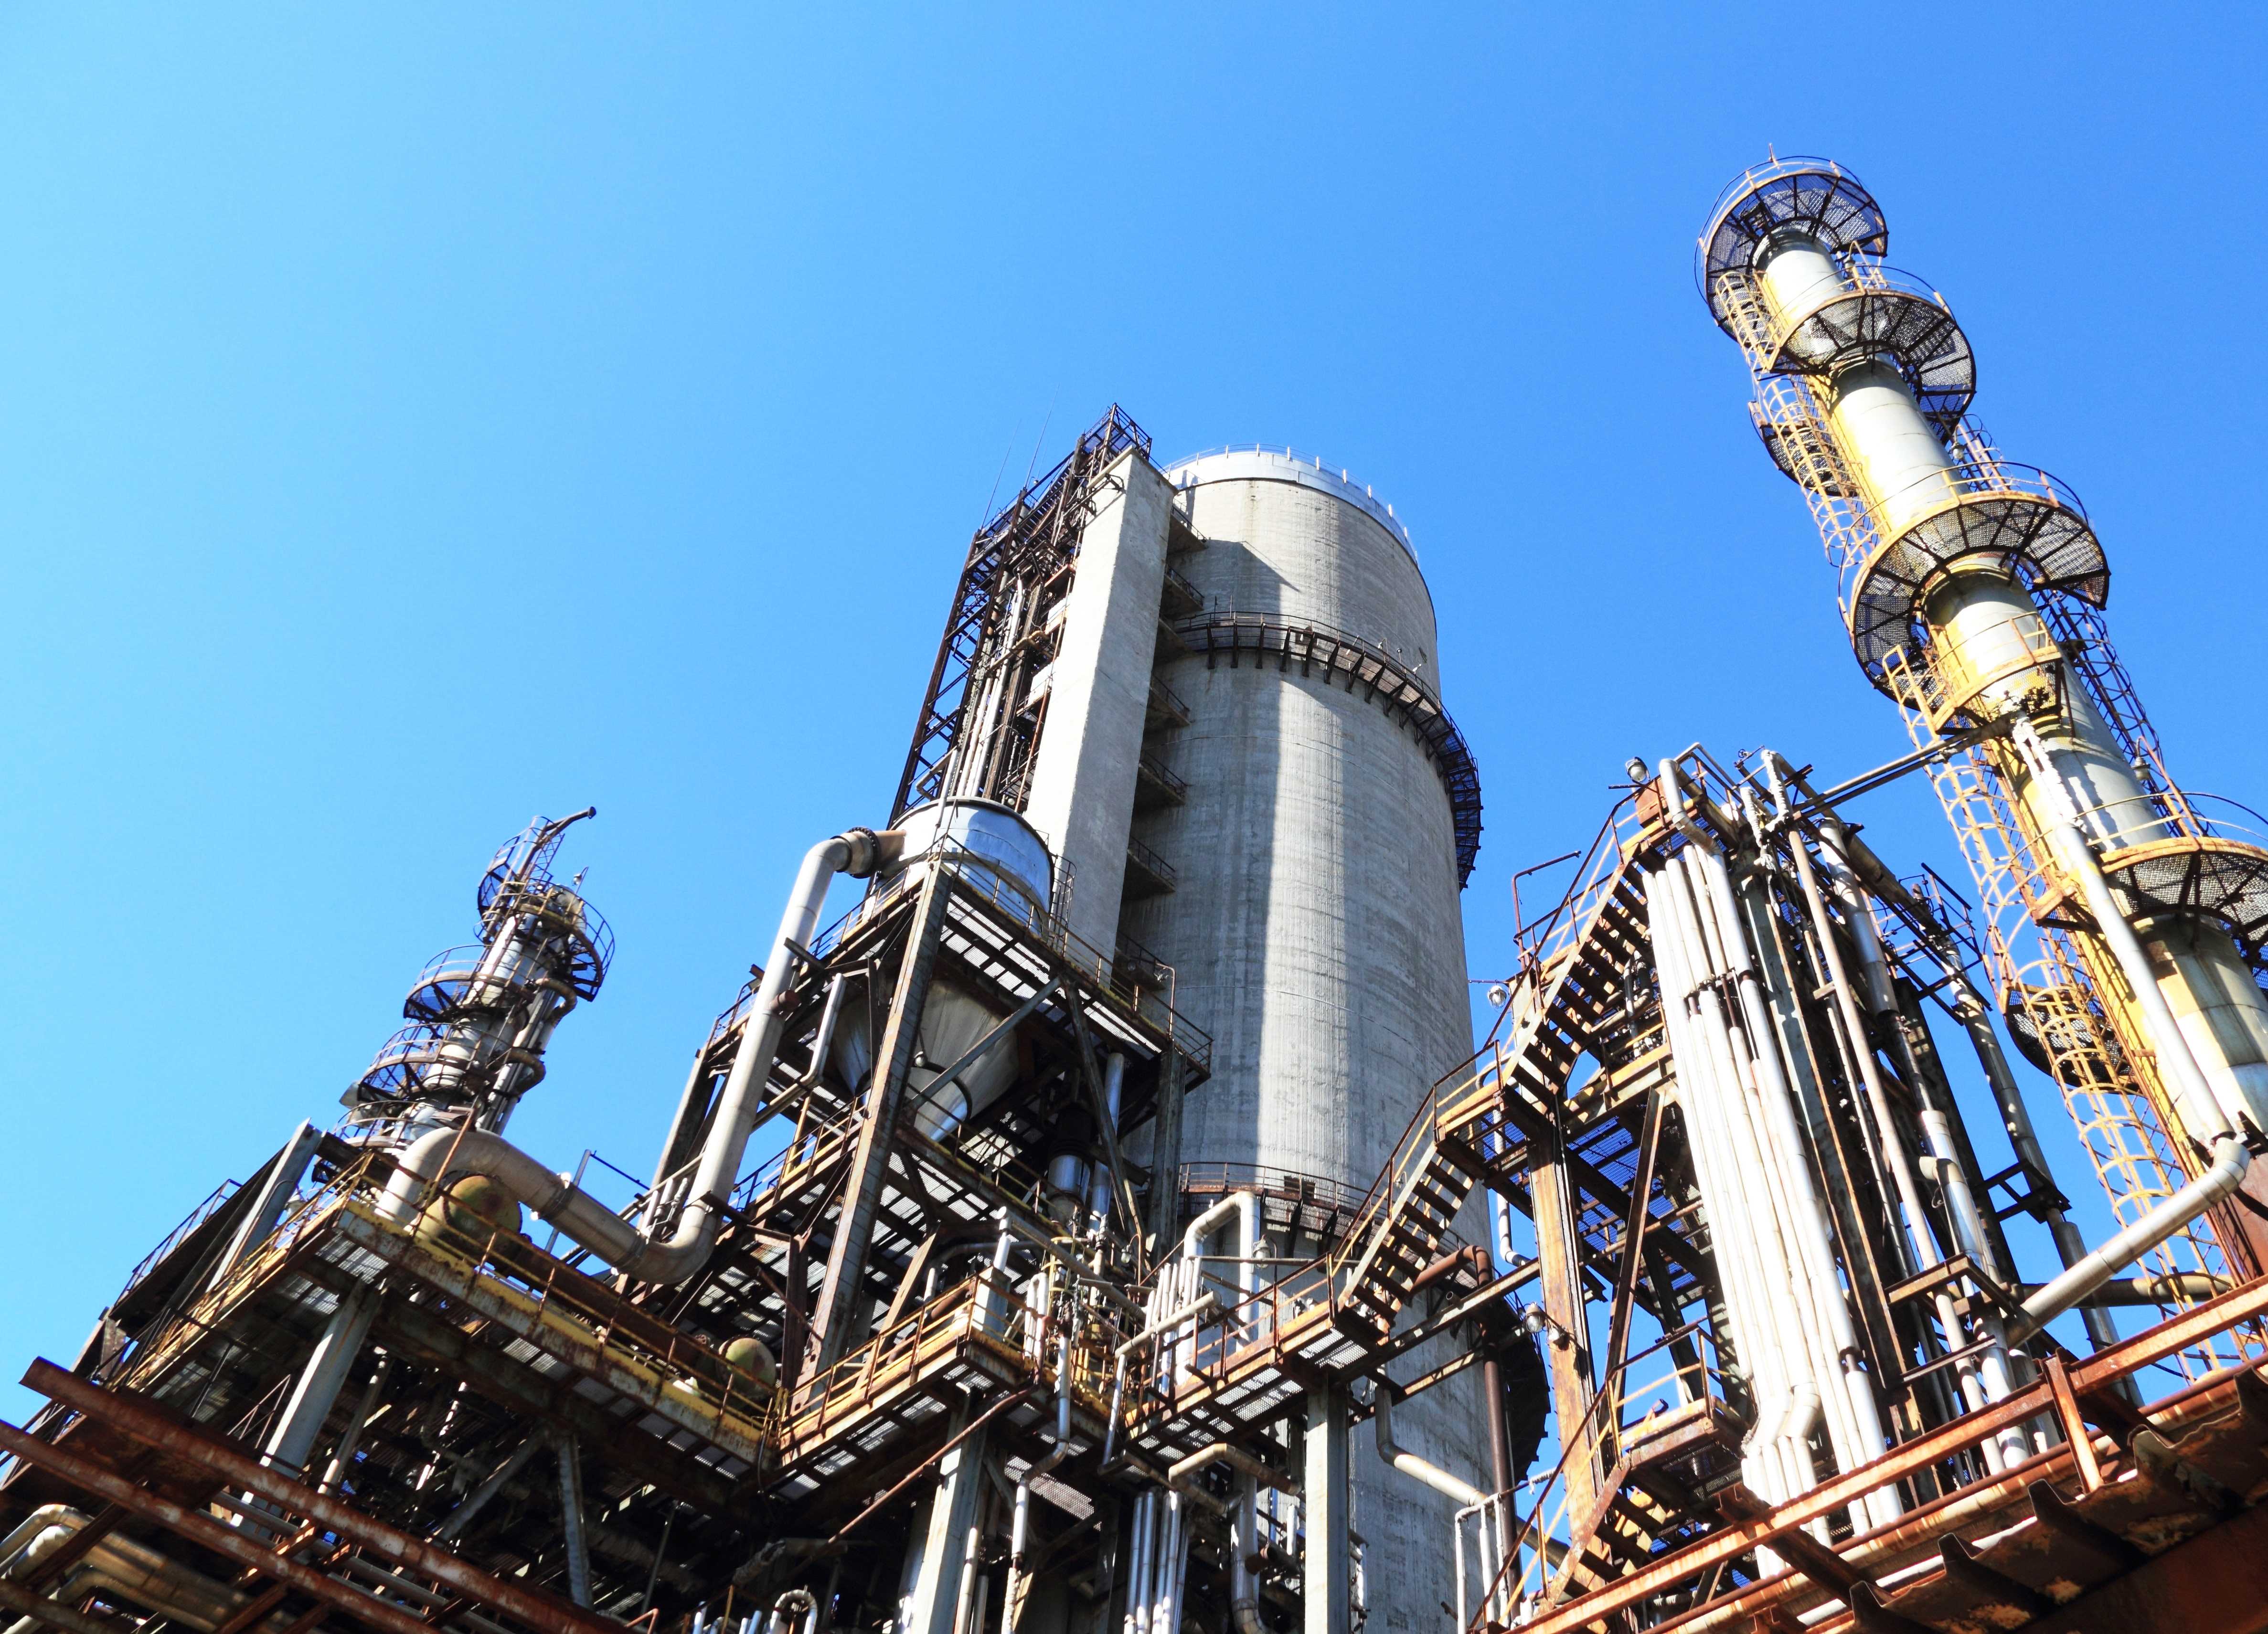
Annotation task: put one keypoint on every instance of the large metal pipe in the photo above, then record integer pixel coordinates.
(2231, 1158)
(1749, 1176)
(1968, 1005)
(2206, 1119)
(1754, 1345)
(1832, 1335)
(132, 1571)
(1987, 1379)
(1465, 1494)
(432, 1159)
(1019, 1528)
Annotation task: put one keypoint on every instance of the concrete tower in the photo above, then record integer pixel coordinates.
(1330, 817)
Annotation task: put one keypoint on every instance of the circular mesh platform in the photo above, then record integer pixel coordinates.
(2015, 519)
(2224, 879)
(1814, 195)
(1888, 314)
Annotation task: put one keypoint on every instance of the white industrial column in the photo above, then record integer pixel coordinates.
(1982, 622)
(933, 1604)
(1954, 561)
(1327, 1573)
(1097, 697)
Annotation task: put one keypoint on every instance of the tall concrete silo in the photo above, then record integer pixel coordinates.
(1330, 815)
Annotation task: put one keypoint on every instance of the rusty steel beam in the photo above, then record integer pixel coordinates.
(2094, 1375)
(207, 1533)
(2216, 1580)
(434, 1343)
(16, 1598)
(144, 1421)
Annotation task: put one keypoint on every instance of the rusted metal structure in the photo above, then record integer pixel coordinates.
(920, 1322)
(1716, 1094)
(2123, 915)
(1717, 1064)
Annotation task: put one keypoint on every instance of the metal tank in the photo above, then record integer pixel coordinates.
(1330, 818)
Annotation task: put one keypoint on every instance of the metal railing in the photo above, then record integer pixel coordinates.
(1145, 988)
(2050, 1399)
(1157, 866)
(1698, 1385)
(179, 1235)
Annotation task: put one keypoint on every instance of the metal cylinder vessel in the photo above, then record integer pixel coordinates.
(1316, 923)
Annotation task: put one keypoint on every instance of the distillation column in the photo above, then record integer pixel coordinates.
(1969, 588)
(1316, 926)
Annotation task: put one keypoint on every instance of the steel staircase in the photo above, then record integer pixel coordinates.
(1449, 1145)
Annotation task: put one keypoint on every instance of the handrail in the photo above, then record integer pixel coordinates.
(1151, 1001)
(1619, 1393)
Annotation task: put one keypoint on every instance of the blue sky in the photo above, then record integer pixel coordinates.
(414, 418)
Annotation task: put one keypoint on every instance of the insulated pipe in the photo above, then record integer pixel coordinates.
(1243, 1547)
(1173, 1318)
(1829, 1335)
(1408, 1462)
(1137, 1565)
(1765, 1187)
(1782, 1169)
(1019, 1528)
(1893, 1145)
(1891, 1139)
(1969, 1007)
(133, 1570)
(780, 1622)
(2231, 1158)
(1766, 1349)
(581, 1216)
(1466, 1495)
(2200, 1108)
(1852, 1406)
(1936, 1127)
(1245, 1207)
(1987, 1379)
(1752, 1346)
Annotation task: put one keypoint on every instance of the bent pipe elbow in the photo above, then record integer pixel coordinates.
(2233, 1158)
(582, 1218)
(1408, 1463)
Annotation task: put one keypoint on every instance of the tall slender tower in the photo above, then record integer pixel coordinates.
(2125, 921)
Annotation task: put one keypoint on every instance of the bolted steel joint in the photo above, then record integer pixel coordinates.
(870, 851)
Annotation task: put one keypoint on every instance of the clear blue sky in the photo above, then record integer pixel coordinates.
(414, 418)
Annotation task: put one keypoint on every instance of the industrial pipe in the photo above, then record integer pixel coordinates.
(1831, 1336)
(1408, 1462)
(133, 1570)
(435, 1157)
(1464, 1493)
(2231, 1159)
(1019, 1528)
(1969, 1007)
(1243, 1547)
(1988, 1380)
(799, 1597)
(1772, 1338)
(2201, 1110)
(1205, 1301)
